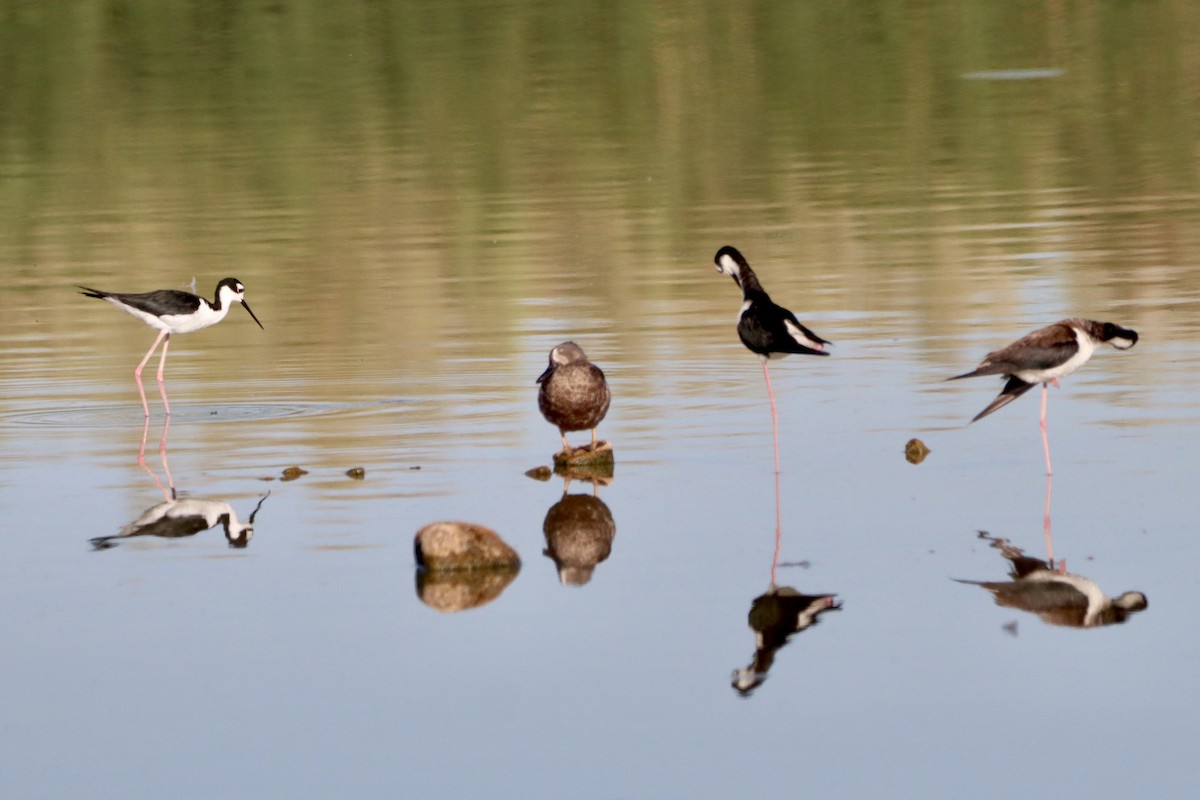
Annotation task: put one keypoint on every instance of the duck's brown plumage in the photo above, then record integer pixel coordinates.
(574, 395)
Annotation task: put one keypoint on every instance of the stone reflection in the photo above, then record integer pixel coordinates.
(579, 531)
(776, 615)
(1053, 594)
(175, 518)
(462, 565)
(459, 590)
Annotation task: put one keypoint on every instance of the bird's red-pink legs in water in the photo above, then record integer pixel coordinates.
(774, 414)
(1042, 422)
(778, 531)
(168, 490)
(162, 362)
(1062, 565)
(1049, 479)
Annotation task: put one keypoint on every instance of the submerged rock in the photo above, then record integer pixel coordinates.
(462, 546)
(541, 473)
(600, 460)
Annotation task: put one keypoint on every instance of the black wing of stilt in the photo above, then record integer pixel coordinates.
(1011, 391)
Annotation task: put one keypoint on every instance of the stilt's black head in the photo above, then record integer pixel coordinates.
(231, 290)
(1118, 337)
(731, 262)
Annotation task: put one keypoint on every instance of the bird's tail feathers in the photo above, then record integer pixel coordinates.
(986, 368)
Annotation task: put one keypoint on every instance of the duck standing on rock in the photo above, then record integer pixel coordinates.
(574, 395)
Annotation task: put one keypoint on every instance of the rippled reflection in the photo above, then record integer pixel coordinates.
(776, 615)
(1055, 595)
(462, 589)
(176, 518)
(579, 531)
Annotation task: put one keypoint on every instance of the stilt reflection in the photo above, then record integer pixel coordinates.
(579, 532)
(776, 615)
(175, 518)
(1056, 596)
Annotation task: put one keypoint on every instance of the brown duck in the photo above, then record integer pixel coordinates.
(574, 395)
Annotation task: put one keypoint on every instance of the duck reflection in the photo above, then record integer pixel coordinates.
(176, 518)
(776, 615)
(1056, 596)
(579, 532)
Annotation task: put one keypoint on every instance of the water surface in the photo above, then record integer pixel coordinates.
(422, 203)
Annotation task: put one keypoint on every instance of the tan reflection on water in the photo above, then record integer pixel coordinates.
(416, 203)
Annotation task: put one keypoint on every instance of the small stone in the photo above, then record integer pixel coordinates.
(462, 546)
(600, 457)
(915, 451)
(357, 473)
(291, 473)
(542, 473)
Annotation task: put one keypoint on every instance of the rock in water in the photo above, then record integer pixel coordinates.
(462, 545)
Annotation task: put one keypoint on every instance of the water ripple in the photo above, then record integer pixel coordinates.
(120, 416)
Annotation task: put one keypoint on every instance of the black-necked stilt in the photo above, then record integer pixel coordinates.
(765, 328)
(1055, 595)
(574, 395)
(175, 519)
(775, 617)
(172, 311)
(1043, 357)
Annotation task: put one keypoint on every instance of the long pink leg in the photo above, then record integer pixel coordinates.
(162, 451)
(774, 413)
(778, 531)
(162, 387)
(142, 448)
(1046, 524)
(1045, 441)
(137, 373)
(168, 493)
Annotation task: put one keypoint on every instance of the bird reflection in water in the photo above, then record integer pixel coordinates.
(579, 531)
(1056, 596)
(175, 518)
(776, 615)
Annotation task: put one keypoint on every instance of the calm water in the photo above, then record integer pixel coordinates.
(421, 204)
